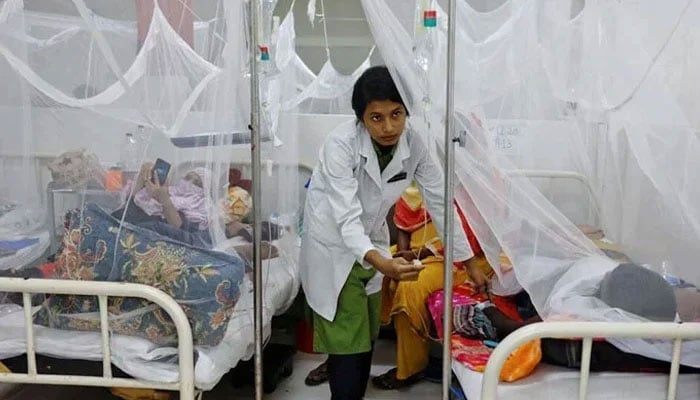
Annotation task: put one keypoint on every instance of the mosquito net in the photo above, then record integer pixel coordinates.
(579, 130)
(327, 92)
(125, 156)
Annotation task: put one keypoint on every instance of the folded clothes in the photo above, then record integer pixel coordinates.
(18, 244)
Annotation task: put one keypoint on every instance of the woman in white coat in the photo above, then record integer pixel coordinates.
(363, 168)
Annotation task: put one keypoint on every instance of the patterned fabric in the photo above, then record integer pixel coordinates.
(471, 351)
(475, 355)
(206, 284)
(470, 321)
(76, 168)
(237, 204)
(463, 296)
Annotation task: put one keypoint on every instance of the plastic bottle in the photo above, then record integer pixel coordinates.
(129, 156)
(671, 279)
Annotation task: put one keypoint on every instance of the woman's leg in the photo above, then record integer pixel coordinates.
(348, 338)
(412, 350)
(348, 374)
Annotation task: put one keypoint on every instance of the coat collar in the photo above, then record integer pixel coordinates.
(372, 164)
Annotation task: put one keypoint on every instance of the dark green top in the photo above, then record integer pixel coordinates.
(384, 154)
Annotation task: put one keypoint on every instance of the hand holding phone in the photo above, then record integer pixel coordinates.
(161, 169)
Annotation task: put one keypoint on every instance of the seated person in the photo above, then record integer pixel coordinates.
(628, 287)
(405, 301)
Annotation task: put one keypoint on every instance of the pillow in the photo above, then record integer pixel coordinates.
(205, 283)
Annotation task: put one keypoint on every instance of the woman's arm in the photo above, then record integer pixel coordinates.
(162, 196)
(403, 248)
(403, 241)
(144, 175)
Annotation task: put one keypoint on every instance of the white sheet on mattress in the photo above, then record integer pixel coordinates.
(27, 256)
(550, 382)
(142, 359)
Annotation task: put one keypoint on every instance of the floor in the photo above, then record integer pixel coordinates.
(292, 388)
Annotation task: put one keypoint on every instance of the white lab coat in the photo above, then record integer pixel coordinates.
(347, 204)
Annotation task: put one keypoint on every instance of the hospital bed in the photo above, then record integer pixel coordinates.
(185, 368)
(550, 381)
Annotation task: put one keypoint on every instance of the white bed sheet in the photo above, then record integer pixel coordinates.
(550, 382)
(28, 256)
(144, 360)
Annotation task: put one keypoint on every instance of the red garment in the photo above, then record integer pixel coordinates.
(235, 178)
(471, 237)
(409, 220)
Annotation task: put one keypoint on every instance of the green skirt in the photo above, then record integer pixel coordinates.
(357, 319)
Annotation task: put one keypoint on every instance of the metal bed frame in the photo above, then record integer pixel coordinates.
(588, 331)
(585, 330)
(103, 290)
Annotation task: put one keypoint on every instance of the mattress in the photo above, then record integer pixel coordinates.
(28, 256)
(144, 360)
(550, 382)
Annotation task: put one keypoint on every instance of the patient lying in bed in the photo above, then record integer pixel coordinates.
(628, 287)
(181, 211)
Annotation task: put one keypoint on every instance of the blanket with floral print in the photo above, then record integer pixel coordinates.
(205, 284)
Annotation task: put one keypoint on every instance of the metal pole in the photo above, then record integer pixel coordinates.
(255, 125)
(449, 208)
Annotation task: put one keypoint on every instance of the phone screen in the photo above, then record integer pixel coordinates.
(161, 170)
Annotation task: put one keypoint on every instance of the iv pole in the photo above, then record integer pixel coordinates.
(449, 208)
(255, 23)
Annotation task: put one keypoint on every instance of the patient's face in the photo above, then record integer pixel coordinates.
(194, 178)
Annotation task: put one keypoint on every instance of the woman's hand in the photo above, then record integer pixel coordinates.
(158, 192)
(144, 175)
(400, 269)
(407, 255)
(477, 276)
(395, 268)
(162, 196)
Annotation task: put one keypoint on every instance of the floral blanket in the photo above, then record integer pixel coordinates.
(206, 284)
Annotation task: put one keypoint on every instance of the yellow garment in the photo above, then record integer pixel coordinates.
(412, 349)
(4, 369)
(405, 302)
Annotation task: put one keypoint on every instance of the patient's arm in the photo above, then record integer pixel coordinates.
(504, 325)
(246, 251)
(403, 248)
(162, 195)
(403, 241)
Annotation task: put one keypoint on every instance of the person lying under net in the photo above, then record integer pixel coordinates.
(404, 302)
(628, 287)
(181, 211)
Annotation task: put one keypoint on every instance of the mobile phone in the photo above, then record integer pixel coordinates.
(161, 169)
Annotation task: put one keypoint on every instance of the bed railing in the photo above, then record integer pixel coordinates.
(103, 290)
(587, 331)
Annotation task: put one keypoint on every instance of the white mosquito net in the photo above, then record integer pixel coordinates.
(93, 95)
(580, 129)
(327, 92)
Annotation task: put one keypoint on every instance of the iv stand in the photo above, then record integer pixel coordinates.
(255, 129)
(449, 208)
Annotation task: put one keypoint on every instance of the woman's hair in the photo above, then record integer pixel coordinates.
(375, 84)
